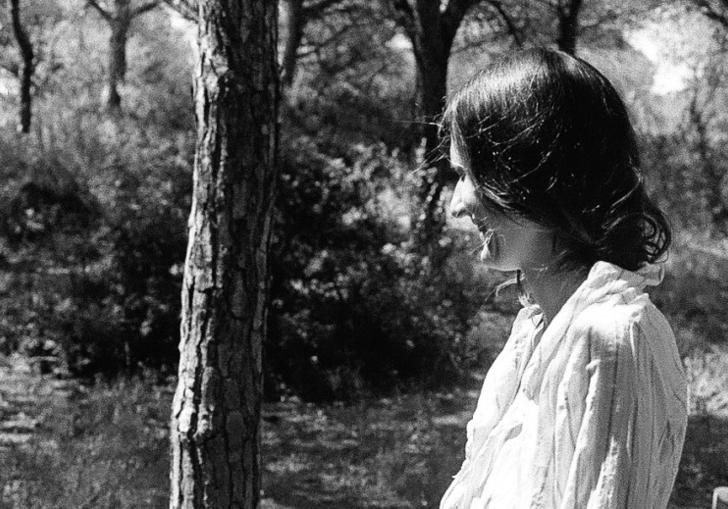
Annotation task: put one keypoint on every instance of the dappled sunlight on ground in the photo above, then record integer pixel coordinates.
(393, 452)
(63, 446)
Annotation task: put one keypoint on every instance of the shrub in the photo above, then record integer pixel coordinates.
(354, 306)
(97, 256)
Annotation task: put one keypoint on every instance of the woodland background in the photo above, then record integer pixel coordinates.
(378, 334)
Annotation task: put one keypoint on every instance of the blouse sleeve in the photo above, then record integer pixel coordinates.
(613, 409)
(599, 466)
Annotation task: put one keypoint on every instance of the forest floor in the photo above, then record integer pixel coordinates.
(63, 445)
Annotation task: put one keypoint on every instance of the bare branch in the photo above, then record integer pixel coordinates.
(335, 36)
(452, 17)
(11, 67)
(508, 21)
(104, 13)
(315, 8)
(145, 8)
(186, 8)
(404, 16)
(719, 15)
(21, 36)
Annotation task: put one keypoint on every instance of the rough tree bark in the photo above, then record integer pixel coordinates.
(119, 16)
(215, 416)
(568, 17)
(26, 74)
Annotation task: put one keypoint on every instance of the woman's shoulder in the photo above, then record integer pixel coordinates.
(635, 334)
(616, 320)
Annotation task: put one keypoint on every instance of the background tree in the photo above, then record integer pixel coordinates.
(28, 67)
(216, 410)
(119, 15)
(568, 16)
(431, 29)
(297, 14)
(186, 8)
(716, 10)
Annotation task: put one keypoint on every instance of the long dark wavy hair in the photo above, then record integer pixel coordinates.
(545, 136)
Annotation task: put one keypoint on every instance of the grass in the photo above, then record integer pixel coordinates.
(107, 448)
(100, 449)
(389, 453)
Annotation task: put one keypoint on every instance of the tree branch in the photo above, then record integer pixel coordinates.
(144, 8)
(186, 8)
(510, 25)
(26, 47)
(404, 16)
(315, 8)
(333, 37)
(104, 13)
(709, 11)
(11, 67)
(453, 15)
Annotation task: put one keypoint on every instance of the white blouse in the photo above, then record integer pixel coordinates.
(589, 413)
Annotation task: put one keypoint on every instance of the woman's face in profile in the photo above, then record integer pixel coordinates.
(508, 244)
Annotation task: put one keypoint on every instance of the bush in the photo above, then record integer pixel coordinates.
(98, 257)
(354, 306)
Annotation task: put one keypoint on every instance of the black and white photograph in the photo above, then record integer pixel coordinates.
(363, 254)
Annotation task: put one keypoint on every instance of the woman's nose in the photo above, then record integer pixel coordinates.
(457, 205)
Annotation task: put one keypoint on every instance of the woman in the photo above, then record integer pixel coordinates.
(585, 407)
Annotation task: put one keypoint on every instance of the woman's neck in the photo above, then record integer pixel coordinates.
(552, 288)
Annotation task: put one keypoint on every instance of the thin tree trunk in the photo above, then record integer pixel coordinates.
(432, 32)
(711, 174)
(26, 74)
(216, 410)
(119, 24)
(433, 70)
(431, 44)
(568, 25)
(295, 22)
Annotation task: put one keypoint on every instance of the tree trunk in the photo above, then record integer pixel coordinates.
(295, 22)
(568, 25)
(216, 410)
(431, 43)
(433, 72)
(119, 24)
(431, 31)
(711, 172)
(26, 74)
